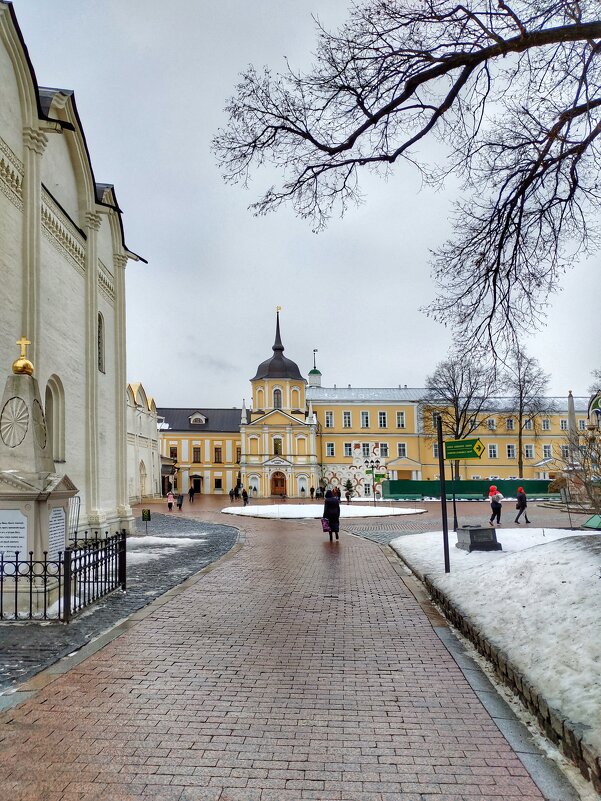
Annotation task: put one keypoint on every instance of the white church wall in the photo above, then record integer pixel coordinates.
(10, 255)
(58, 175)
(107, 401)
(11, 121)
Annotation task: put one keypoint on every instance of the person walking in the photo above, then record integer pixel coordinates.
(331, 511)
(180, 501)
(496, 504)
(312, 492)
(191, 493)
(521, 505)
(169, 500)
(232, 495)
(245, 497)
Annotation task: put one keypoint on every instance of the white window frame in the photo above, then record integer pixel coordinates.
(435, 450)
(401, 450)
(329, 419)
(582, 425)
(511, 451)
(547, 451)
(382, 419)
(546, 424)
(491, 424)
(528, 451)
(364, 419)
(563, 424)
(330, 449)
(400, 419)
(384, 450)
(510, 424)
(528, 424)
(365, 450)
(348, 448)
(565, 451)
(347, 419)
(493, 451)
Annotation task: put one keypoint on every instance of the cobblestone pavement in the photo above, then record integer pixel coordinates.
(27, 648)
(298, 669)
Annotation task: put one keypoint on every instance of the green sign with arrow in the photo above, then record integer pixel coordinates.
(463, 449)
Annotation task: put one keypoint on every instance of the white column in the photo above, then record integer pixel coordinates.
(126, 518)
(34, 142)
(93, 512)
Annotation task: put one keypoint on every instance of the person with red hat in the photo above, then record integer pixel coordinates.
(521, 505)
(496, 505)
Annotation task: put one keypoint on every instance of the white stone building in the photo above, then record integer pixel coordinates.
(62, 264)
(143, 454)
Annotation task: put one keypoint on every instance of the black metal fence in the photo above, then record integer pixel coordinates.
(56, 589)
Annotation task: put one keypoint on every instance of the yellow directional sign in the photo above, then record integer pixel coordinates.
(463, 449)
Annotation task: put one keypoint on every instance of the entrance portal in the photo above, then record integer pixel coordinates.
(278, 484)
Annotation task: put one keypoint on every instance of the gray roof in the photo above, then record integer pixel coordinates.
(365, 394)
(217, 419)
(417, 394)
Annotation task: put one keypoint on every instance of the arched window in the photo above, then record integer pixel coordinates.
(101, 343)
(54, 403)
(277, 398)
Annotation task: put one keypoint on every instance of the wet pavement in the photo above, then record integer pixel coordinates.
(28, 647)
(295, 669)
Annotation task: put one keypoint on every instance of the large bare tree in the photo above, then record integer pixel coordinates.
(527, 385)
(459, 391)
(513, 92)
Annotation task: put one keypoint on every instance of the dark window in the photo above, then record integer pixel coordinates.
(196, 455)
(277, 398)
(277, 447)
(173, 451)
(218, 483)
(100, 342)
(238, 455)
(218, 457)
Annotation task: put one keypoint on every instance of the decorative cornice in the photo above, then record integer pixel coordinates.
(120, 260)
(93, 220)
(61, 232)
(35, 140)
(11, 175)
(105, 282)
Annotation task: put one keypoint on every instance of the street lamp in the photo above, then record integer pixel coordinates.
(373, 465)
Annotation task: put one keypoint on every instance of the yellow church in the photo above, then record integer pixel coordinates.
(297, 435)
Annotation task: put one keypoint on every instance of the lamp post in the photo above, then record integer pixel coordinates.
(373, 465)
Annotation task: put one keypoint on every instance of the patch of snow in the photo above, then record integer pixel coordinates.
(314, 511)
(537, 600)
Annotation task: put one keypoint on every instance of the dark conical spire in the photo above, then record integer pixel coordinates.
(278, 366)
(277, 345)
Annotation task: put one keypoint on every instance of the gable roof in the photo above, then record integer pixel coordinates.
(217, 420)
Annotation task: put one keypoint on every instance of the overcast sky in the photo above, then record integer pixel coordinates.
(151, 80)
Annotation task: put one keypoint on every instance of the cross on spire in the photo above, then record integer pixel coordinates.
(23, 343)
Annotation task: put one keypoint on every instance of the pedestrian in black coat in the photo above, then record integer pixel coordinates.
(521, 505)
(331, 511)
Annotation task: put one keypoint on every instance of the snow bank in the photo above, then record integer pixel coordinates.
(312, 511)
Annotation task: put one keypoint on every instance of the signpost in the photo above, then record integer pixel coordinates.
(454, 449)
(146, 517)
(463, 449)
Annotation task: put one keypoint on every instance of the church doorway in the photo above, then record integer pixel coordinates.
(278, 484)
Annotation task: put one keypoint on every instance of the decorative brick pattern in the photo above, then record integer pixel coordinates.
(298, 669)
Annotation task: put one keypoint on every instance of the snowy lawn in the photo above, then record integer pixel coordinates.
(537, 600)
(312, 511)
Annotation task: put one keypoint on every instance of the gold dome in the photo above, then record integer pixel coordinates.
(22, 366)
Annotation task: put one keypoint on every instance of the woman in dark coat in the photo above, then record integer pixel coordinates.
(331, 511)
(521, 505)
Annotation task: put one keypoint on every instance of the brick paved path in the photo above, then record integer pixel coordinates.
(294, 670)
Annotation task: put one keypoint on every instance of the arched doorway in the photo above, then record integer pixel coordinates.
(278, 484)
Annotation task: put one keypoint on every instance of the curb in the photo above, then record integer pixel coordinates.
(568, 736)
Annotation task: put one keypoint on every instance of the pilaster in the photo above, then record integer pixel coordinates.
(34, 144)
(92, 225)
(122, 495)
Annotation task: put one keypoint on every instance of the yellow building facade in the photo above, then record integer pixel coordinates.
(297, 434)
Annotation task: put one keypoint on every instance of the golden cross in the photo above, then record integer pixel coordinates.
(278, 308)
(23, 343)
